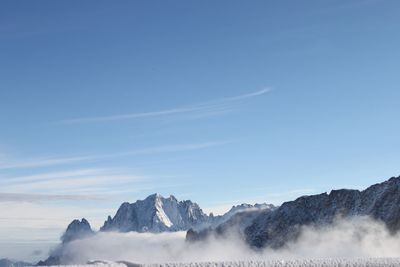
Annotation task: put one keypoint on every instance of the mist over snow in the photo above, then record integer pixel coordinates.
(358, 237)
(154, 248)
(354, 238)
(368, 262)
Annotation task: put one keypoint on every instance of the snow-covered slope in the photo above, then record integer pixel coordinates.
(379, 201)
(390, 262)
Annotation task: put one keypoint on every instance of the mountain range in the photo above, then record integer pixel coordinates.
(154, 214)
(261, 225)
(274, 228)
(157, 214)
(380, 201)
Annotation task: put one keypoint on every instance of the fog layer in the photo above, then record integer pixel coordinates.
(355, 238)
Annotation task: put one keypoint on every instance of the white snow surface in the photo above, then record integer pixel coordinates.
(365, 262)
(160, 213)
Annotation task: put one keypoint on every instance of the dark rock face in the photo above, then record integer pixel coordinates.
(77, 230)
(274, 229)
(234, 225)
(50, 261)
(243, 209)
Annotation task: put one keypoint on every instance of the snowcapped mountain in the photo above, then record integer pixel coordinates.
(156, 214)
(379, 201)
(261, 225)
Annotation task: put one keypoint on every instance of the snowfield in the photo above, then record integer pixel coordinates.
(292, 263)
(373, 262)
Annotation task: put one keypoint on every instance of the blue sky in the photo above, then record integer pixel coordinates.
(220, 102)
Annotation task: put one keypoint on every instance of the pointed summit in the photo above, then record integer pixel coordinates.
(154, 196)
(77, 230)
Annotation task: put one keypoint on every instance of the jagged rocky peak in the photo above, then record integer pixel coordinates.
(156, 214)
(380, 201)
(77, 229)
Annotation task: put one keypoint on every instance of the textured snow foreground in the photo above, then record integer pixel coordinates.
(373, 262)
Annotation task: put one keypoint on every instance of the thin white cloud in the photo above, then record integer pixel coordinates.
(41, 162)
(65, 185)
(53, 161)
(219, 106)
(68, 185)
(84, 186)
(246, 96)
(49, 176)
(25, 197)
(172, 148)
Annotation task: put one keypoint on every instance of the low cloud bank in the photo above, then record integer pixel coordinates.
(355, 238)
(154, 248)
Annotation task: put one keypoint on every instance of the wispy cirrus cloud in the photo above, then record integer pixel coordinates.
(40, 162)
(65, 185)
(81, 185)
(208, 108)
(26, 197)
(53, 161)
